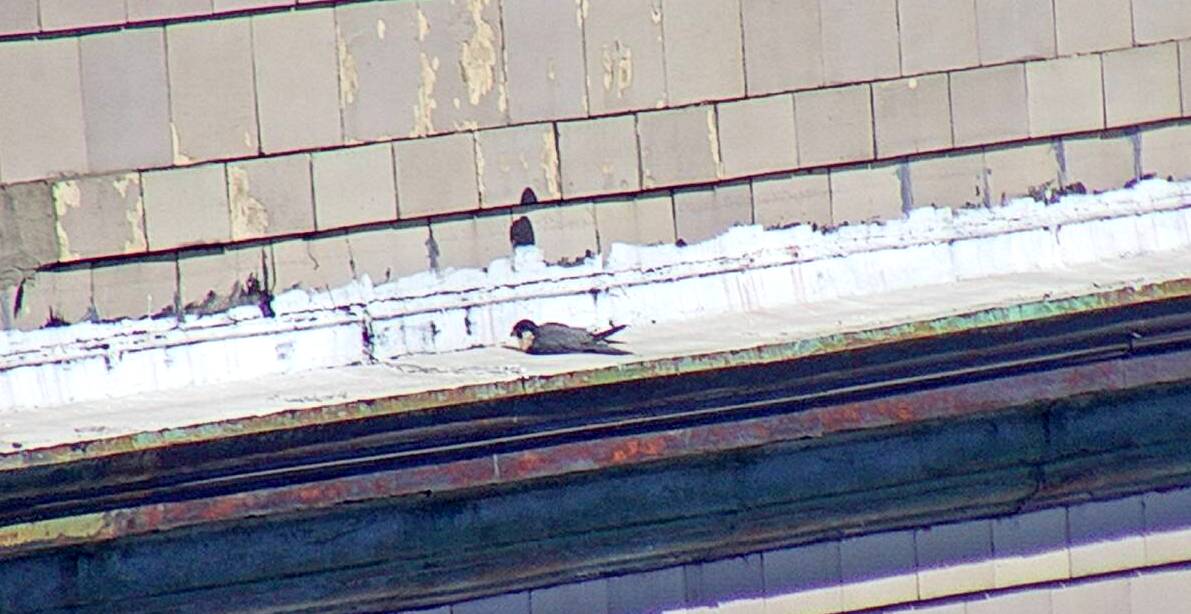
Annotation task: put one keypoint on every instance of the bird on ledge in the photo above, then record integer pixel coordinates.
(555, 338)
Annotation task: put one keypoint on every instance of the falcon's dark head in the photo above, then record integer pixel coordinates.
(524, 326)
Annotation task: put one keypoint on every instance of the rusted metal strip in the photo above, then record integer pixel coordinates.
(968, 399)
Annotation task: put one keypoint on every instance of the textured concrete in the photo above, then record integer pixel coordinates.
(937, 36)
(1099, 163)
(1159, 20)
(647, 592)
(544, 51)
(1031, 548)
(28, 236)
(700, 214)
(186, 206)
(757, 135)
(978, 117)
(218, 272)
(1162, 591)
(912, 115)
(878, 569)
(1164, 151)
(55, 295)
(733, 579)
(1141, 84)
(1106, 536)
(1083, 26)
(461, 74)
(125, 102)
(678, 146)
(865, 193)
(1015, 30)
(1185, 75)
(564, 598)
(41, 113)
(18, 16)
(270, 196)
(860, 41)
(834, 125)
(803, 198)
(378, 56)
(212, 95)
(1167, 526)
(564, 234)
(297, 80)
(1103, 597)
(625, 64)
(1017, 171)
(320, 263)
(99, 216)
(66, 14)
(1033, 602)
(704, 58)
(783, 49)
(389, 253)
(514, 603)
(354, 186)
(139, 10)
(134, 290)
(1065, 95)
(644, 220)
(512, 159)
(949, 180)
(954, 559)
(470, 242)
(436, 175)
(599, 156)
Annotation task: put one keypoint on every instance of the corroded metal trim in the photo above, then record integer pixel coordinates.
(967, 399)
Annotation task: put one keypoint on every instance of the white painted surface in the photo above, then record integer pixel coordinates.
(677, 300)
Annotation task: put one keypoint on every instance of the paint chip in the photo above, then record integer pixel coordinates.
(477, 60)
(549, 163)
(249, 218)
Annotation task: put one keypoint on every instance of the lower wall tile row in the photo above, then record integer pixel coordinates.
(566, 232)
(1113, 557)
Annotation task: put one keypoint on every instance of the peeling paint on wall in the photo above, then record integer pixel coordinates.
(66, 196)
(249, 218)
(479, 166)
(549, 163)
(477, 59)
(349, 77)
(424, 110)
(713, 141)
(618, 68)
(423, 26)
(180, 159)
(135, 215)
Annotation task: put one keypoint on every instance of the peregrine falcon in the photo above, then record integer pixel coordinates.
(554, 338)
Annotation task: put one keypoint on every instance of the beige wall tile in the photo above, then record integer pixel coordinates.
(1141, 84)
(913, 115)
(1065, 95)
(834, 125)
(978, 116)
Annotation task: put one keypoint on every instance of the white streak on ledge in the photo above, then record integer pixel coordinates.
(744, 269)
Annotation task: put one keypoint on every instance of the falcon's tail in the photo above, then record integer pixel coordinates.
(603, 335)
